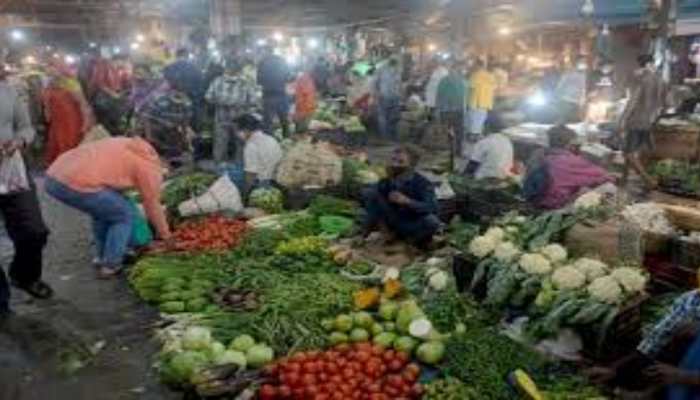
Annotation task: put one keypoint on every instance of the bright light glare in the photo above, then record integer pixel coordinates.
(93, 45)
(313, 43)
(292, 60)
(140, 38)
(17, 35)
(261, 42)
(29, 60)
(278, 36)
(248, 51)
(116, 50)
(446, 56)
(216, 54)
(56, 55)
(70, 59)
(505, 31)
(538, 99)
(135, 46)
(432, 47)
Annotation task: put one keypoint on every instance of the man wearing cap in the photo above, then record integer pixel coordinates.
(261, 153)
(558, 176)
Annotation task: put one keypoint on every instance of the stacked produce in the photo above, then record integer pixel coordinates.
(553, 289)
(305, 254)
(212, 233)
(360, 371)
(649, 217)
(186, 358)
(268, 199)
(678, 176)
(185, 187)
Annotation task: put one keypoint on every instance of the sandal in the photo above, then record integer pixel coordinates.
(106, 273)
(37, 289)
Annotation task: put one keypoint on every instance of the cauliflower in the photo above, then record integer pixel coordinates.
(506, 252)
(568, 277)
(593, 269)
(649, 217)
(606, 289)
(535, 264)
(482, 246)
(588, 200)
(631, 279)
(438, 281)
(512, 229)
(554, 252)
(496, 233)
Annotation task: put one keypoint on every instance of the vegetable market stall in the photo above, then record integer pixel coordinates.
(281, 312)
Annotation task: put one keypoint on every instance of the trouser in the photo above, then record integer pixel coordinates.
(276, 106)
(28, 232)
(222, 141)
(454, 120)
(389, 114)
(112, 219)
(302, 125)
(418, 228)
(477, 120)
(199, 111)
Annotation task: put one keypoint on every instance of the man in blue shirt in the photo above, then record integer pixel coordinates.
(186, 77)
(404, 203)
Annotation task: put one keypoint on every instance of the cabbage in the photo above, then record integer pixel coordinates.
(408, 312)
(231, 357)
(216, 350)
(405, 344)
(338, 338)
(389, 327)
(242, 343)
(385, 339)
(376, 329)
(432, 352)
(343, 323)
(388, 310)
(328, 324)
(363, 319)
(196, 338)
(259, 355)
(359, 335)
(183, 365)
(420, 328)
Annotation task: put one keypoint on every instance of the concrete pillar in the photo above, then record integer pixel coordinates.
(225, 18)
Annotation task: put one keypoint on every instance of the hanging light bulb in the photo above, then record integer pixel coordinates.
(588, 8)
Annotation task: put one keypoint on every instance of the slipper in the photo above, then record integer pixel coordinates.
(105, 273)
(36, 289)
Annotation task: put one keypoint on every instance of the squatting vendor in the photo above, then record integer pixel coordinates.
(404, 203)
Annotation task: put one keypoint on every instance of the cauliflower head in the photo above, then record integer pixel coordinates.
(606, 289)
(588, 200)
(593, 269)
(496, 233)
(482, 246)
(631, 279)
(568, 277)
(555, 253)
(506, 252)
(535, 264)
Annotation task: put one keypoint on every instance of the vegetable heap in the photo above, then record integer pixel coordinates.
(269, 200)
(361, 371)
(211, 233)
(185, 187)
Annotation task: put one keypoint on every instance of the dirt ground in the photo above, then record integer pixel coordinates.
(93, 341)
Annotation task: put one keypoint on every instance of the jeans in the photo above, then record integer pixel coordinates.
(28, 232)
(454, 120)
(276, 105)
(112, 219)
(389, 114)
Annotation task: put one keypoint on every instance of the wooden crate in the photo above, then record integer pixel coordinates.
(676, 143)
(622, 337)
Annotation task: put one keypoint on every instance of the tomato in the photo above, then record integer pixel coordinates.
(267, 392)
(299, 394)
(342, 348)
(409, 376)
(348, 373)
(310, 367)
(332, 368)
(403, 357)
(417, 390)
(392, 392)
(299, 357)
(291, 378)
(322, 377)
(285, 391)
(321, 396)
(308, 380)
(345, 388)
(389, 355)
(374, 388)
(271, 370)
(395, 365)
(337, 379)
(394, 381)
(378, 396)
(293, 367)
(414, 368)
(363, 356)
(312, 391)
(363, 346)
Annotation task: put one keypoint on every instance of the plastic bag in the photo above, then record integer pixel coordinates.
(310, 165)
(223, 195)
(141, 234)
(13, 175)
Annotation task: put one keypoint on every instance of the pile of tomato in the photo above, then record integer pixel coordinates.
(212, 233)
(359, 371)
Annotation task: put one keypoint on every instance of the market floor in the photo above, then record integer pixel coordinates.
(92, 342)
